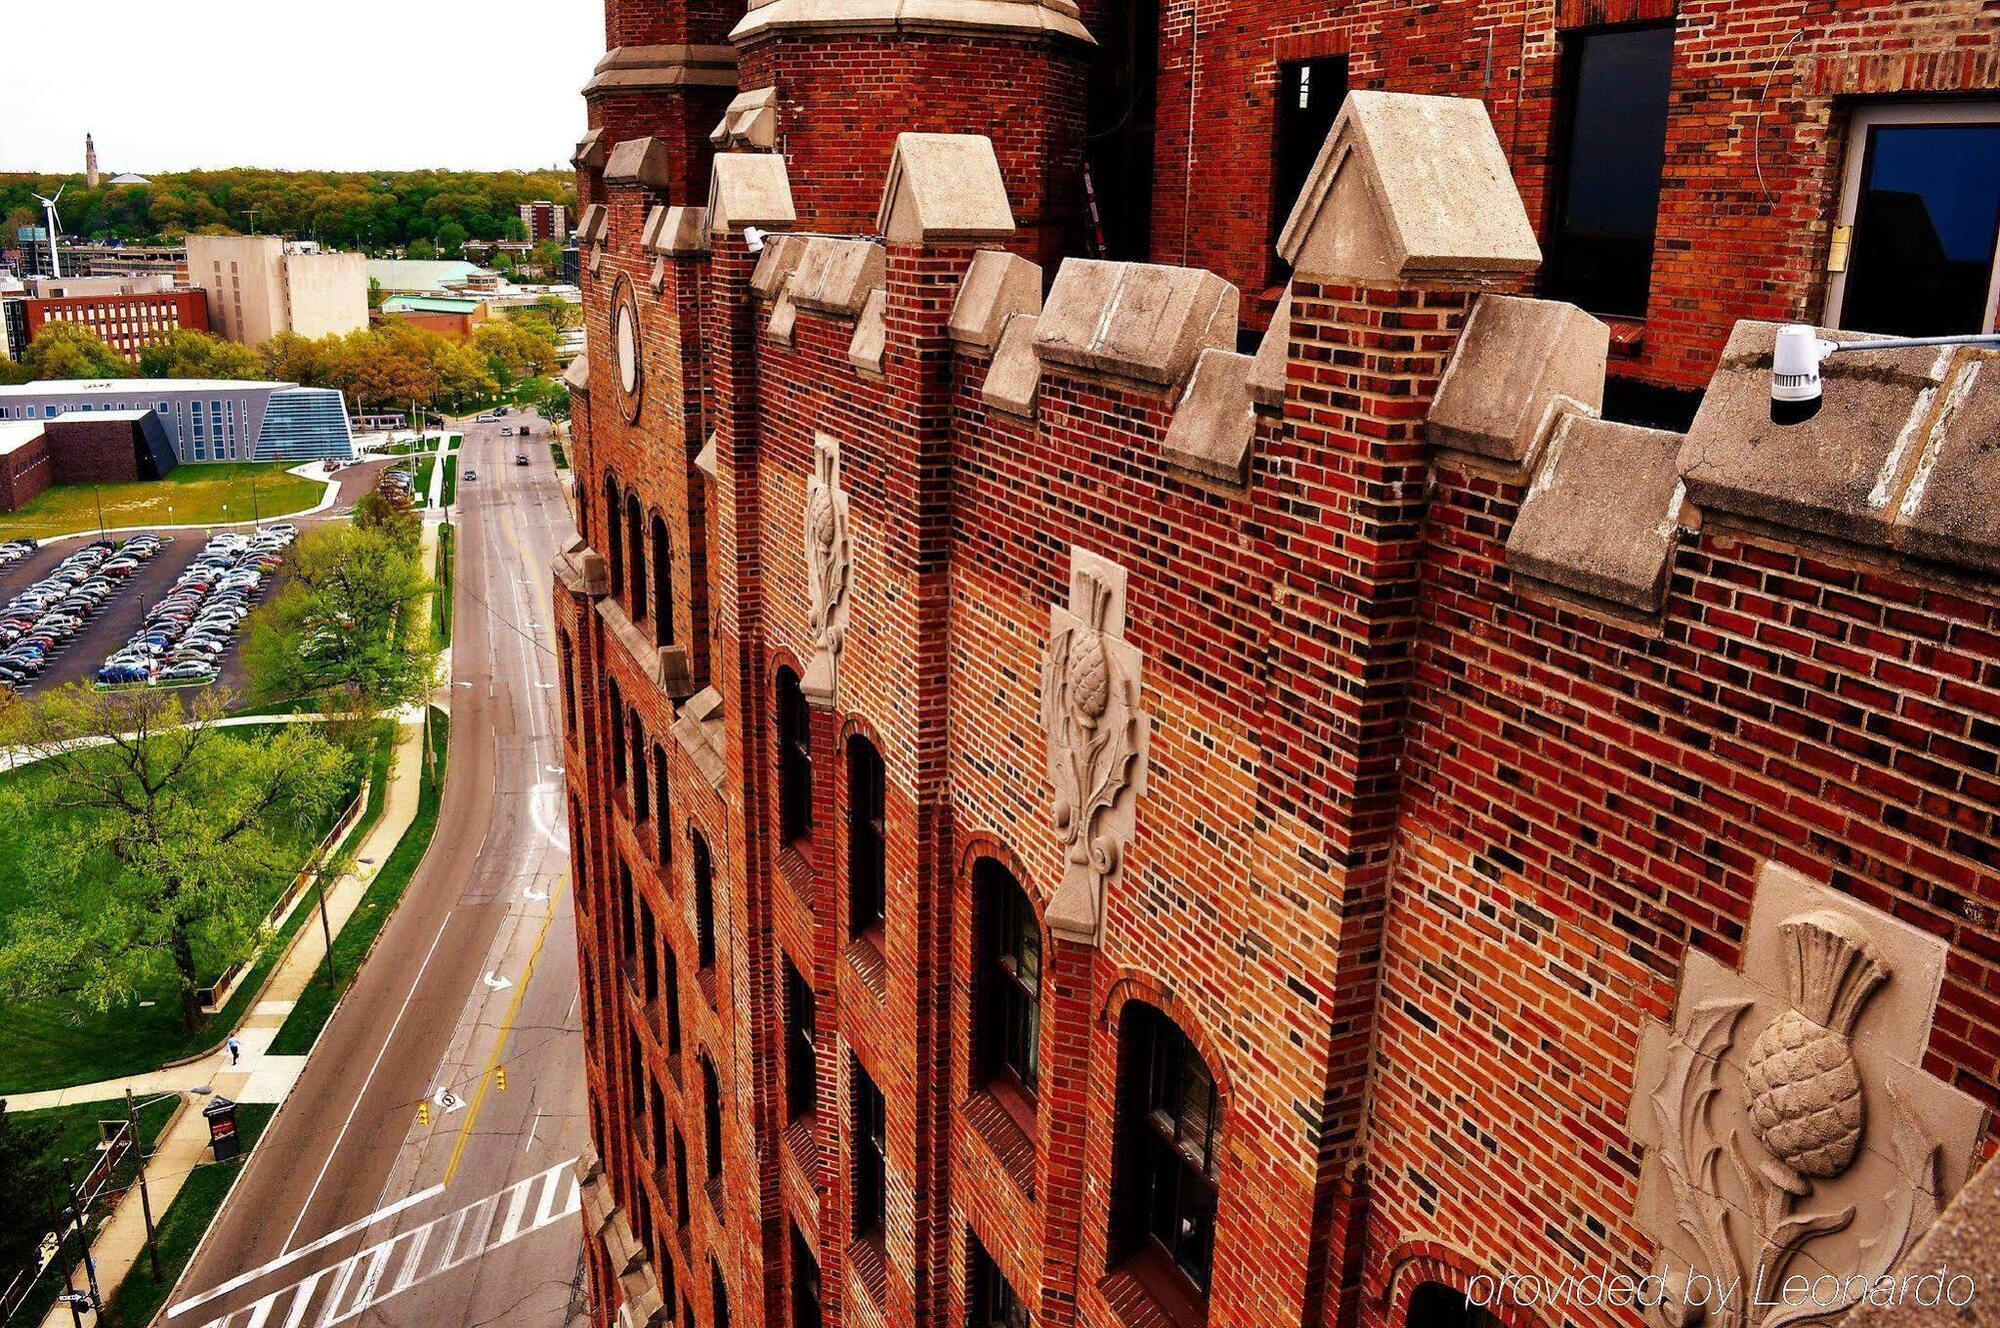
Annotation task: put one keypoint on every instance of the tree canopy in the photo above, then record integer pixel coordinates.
(156, 829)
(372, 210)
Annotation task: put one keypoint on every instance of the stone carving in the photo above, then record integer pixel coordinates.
(829, 568)
(1841, 997)
(1097, 736)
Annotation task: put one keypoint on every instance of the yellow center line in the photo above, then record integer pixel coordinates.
(506, 1030)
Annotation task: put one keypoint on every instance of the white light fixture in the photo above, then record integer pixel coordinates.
(753, 239)
(1800, 350)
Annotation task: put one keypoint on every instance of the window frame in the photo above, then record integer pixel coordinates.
(711, 1120)
(990, 1300)
(1154, 1051)
(867, 838)
(795, 758)
(1896, 114)
(1006, 1008)
(869, 1197)
(801, 1052)
(703, 871)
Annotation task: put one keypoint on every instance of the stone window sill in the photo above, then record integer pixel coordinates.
(1000, 1129)
(1148, 1292)
(868, 1263)
(864, 955)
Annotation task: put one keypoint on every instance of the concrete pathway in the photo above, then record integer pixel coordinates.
(14, 757)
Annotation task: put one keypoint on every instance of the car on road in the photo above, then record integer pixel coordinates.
(486, 418)
(471, 475)
(190, 671)
(520, 458)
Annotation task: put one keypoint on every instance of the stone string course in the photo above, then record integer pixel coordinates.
(1471, 717)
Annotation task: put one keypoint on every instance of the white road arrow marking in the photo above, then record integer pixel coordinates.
(532, 894)
(498, 984)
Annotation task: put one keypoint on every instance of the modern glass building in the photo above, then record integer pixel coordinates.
(206, 420)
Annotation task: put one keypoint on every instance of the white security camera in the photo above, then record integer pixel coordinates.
(753, 239)
(1795, 361)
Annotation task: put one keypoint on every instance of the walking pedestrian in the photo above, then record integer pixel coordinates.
(234, 1048)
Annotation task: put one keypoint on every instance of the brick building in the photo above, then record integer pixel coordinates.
(1230, 783)
(127, 321)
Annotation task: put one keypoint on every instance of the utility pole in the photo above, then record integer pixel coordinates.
(89, 1263)
(325, 928)
(69, 1270)
(145, 1195)
(252, 214)
(97, 494)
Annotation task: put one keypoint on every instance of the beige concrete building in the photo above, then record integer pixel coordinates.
(261, 285)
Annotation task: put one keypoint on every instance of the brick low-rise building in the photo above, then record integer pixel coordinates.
(1170, 753)
(127, 321)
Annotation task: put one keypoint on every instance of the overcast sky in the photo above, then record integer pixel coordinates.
(475, 84)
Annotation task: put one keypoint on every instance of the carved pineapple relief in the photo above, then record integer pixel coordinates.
(1840, 1149)
(1097, 736)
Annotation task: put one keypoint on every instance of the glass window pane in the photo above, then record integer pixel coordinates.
(1924, 227)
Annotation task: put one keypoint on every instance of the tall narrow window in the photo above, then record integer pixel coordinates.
(1310, 93)
(614, 535)
(635, 532)
(704, 902)
(801, 1065)
(657, 1114)
(628, 900)
(871, 1156)
(663, 824)
(680, 1178)
(567, 681)
(1009, 980)
(649, 951)
(795, 767)
(672, 979)
(642, 803)
(615, 710)
(867, 856)
(1611, 145)
(663, 583)
(711, 1117)
(989, 1294)
(1167, 1131)
(805, 1283)
(718, 1295)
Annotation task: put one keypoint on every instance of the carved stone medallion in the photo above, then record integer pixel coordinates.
(1097, 735)
(628, 349)
(829, 569)
(1792, 1138)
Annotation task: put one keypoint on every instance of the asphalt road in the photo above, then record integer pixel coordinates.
(80, 657)
(351, 1209)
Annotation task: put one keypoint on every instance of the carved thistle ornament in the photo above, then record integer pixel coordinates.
(1097, 737)
(829, 568)
(1795, 1150)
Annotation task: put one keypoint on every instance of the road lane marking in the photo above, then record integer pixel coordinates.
(500, 1043)
(302, 1251)
(381, 1051)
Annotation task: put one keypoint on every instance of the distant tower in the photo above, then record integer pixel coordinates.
(89, 162)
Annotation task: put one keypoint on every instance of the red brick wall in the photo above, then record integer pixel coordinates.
(24, 472)
(1756, 134)
(126, 323)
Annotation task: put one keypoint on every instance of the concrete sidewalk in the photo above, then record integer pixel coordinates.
(260, 1076)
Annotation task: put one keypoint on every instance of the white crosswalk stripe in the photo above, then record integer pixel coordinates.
(341, 1293)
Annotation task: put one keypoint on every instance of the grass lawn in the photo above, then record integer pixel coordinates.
(315, 1006)
(182, 1226)
(557, 455)
(423, 485)
(193, 495)
(450, 494)
(447, 567)
(457, 441)
(51, 1044)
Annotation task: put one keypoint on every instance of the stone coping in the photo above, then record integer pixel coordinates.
(1024, 20)
(638, 68)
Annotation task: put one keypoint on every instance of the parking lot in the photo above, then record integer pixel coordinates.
(80, 657)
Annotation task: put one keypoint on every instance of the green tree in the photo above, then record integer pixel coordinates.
(187, 353)
(375, 294)
(343, 630)
(162, 873)
(401, 525)
(546, 258)
(291, 358)
(451, 238)
(422, 250)
(519, 349)
(71, 350)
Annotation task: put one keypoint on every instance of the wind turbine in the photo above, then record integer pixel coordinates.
(55, 224)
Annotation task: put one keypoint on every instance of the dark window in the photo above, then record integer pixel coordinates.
(990, 1296)
(615, 709)
(628, 932)
(663, 827)
(718, 1295)
(711, 1117)
(805, 1284)
(649, 951)
(871, 1155)
(663, 584)
(1009, 978)
(642, 806)
(801, 1065)
(658, 1117)
(614, 536)
(1925, 218)
(1435, 1305)
(867, 857)
(1167, 1155)
(795, 762)
(1124, 97)
(635, 531)
(704, 902)
(673, 994)
(680, 1178)
(1611, 145)
(568, 683)
(1310, 93)
(635, 1075)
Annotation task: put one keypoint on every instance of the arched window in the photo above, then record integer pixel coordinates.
(711, 1118)
(635, 534)
(871, 1156)
(867, 850)
(663, 583)
(795, 769)
(1168, 1130)
(1435, 1305)
(718, 1294)
(704, 901)
(567, 681)
(805, 1283)
(1008, 982)
(801, 1061)
(614, 535)
(680, 1178)
(671, 979)
(649, 953)
(663, 832)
